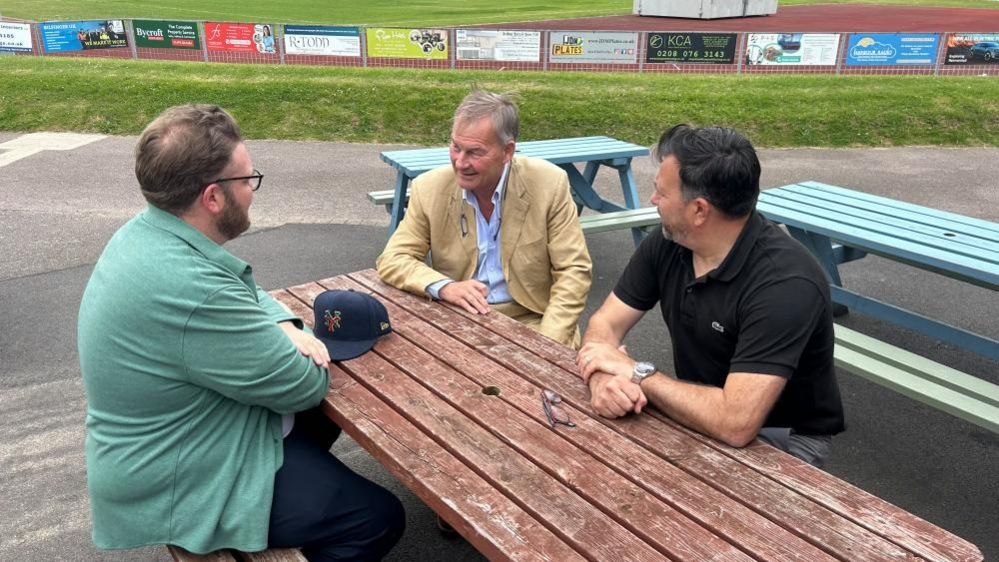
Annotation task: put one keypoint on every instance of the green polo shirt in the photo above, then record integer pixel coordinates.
(187, 375)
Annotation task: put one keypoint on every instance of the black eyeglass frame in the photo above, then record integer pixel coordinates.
(256, 175)
(548, 403)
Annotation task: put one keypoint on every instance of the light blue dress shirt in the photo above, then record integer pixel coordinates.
(489, 269)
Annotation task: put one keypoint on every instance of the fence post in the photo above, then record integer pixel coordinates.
(453, 51)
(643, 45)
(204, 44)
(130, 35)
(941, 53)
(741, 43)
(281, 44)
(362, 35)
(545, 36)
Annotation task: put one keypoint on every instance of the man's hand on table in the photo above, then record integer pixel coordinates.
(307, 344)
(470, 295)
(607, 369)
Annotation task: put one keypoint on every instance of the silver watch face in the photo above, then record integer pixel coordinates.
(644, 368)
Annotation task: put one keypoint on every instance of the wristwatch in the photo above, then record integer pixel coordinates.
(643, 370)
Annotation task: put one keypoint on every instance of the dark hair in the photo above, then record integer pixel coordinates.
(182, 151)
(716, 163)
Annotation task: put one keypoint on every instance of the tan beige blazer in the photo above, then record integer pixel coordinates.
(543, 252)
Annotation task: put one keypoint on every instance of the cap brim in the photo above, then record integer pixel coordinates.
(342, 350)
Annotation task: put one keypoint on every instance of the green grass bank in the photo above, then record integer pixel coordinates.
(414, 107)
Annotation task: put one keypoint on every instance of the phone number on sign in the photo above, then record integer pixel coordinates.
(689, 54)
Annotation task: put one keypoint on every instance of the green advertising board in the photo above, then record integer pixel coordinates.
(407, 43)
(159, 34)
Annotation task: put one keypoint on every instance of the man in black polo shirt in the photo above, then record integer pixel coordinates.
(747, 307)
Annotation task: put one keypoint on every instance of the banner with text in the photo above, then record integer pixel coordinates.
(891, 49)
(67, 36)
(161, 34)
(322, 40)
(593, 46)
(972, 48)
(15, 37)
(240, 37)
(792, 49)
(708, 48)
(407, 43)
(499, 45)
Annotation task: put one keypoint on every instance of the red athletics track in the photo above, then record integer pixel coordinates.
(811, 18)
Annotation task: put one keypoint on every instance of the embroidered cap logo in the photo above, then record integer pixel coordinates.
(332, 320)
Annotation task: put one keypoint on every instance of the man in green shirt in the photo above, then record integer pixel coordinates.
(194, 375)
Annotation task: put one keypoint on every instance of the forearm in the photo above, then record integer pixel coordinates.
(700, 407)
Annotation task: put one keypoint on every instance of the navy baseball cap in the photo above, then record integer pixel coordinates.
(349, 322)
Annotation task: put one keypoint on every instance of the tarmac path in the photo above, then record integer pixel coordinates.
(312, 220)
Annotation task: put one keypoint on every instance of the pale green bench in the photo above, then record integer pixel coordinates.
(955, 392)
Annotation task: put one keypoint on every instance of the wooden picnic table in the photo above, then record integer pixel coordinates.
(450, 404)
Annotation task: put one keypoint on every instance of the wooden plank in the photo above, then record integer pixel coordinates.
(723, 515)
(561, 454)
(867, 510)
(818, 525)
(181, 555)
(568, 515)
(497, 527)
(273, 555)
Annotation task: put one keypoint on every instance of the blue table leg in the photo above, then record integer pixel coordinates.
(583, 191)
(398, 201)
(822, 248)
(630, 191)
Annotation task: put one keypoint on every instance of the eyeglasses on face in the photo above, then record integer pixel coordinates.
(255, 180)
(556, 415)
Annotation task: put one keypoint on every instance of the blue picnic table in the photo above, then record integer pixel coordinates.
(839, 225)
(568, 154)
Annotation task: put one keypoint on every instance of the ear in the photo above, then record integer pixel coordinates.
(213, 199)
(508, 151)
(701, 210)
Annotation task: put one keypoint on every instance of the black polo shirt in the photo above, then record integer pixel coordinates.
(766, 309)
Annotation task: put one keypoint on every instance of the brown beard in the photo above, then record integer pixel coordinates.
(233, 221)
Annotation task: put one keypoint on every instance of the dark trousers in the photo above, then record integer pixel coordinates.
(323, 507)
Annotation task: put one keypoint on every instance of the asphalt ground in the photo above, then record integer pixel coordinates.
(312, 220)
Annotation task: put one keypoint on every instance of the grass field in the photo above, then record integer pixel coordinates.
(374, 12)
(412, 106)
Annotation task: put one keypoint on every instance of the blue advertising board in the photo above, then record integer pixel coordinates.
(891, 49)
(65, 36)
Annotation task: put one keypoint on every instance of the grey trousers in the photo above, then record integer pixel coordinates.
(813, 449)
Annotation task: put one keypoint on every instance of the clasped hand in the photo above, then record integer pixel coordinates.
(607, 370)
(470, 295)
(307, 344)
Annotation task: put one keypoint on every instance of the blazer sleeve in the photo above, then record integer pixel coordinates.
(402, 263)
(571, 268)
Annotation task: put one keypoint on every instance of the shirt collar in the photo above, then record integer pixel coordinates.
(739, 254)
(196, 239)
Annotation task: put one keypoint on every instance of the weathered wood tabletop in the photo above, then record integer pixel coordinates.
(638, 488)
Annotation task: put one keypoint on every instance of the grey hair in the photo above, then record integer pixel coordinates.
(501, 108)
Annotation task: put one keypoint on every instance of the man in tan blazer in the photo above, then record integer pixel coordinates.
(502, 231)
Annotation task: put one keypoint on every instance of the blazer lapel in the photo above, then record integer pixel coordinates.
(461, 221)
(516, 201)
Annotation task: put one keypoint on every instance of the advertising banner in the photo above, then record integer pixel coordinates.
(160, 34)
(891, 49)
(593, 46)
(792, 49)
(66, 36)
(496, 44)
(972, 48)
(240, 37)
(709, 48)
(15, 37)
(322, 40)
(407, 43)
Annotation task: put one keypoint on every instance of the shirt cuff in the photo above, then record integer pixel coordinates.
(434, 289)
